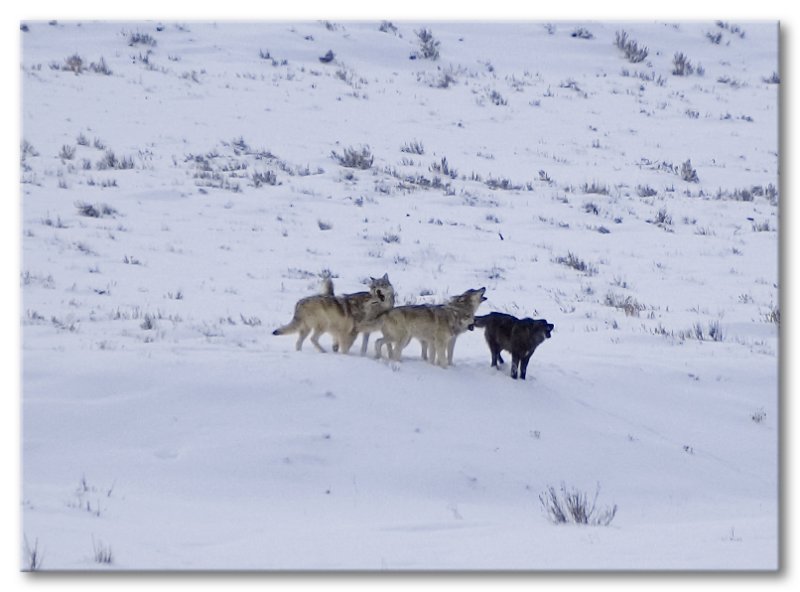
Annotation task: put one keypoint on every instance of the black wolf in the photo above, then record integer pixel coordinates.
(521, 337)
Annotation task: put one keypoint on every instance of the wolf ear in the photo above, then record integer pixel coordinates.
(385, 277)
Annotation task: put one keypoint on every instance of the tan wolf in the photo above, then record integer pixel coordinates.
(341, 316)
(436, 326)
(380, 288)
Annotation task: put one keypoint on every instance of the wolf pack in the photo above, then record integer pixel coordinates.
(435, 326)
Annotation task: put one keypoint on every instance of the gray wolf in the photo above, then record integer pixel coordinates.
(368, 308)
(520, 337)
(342, 316)
(436, 326)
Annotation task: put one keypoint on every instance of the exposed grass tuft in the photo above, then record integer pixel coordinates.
(573, 506)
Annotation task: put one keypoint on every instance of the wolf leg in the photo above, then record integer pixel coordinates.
(514, 363)
(315, 340)
(301, 337)
(451, 345)
(379, 344)
(429, 351)
(396, 351)
(495, 349)
(523, 365)
(364, 342)
(441, 352)
(395, 346)
(346, 342)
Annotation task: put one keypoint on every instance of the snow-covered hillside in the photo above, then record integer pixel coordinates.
(184, 184)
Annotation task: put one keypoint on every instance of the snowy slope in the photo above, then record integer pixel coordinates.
(164, 425)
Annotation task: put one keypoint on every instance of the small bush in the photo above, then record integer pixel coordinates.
(102, 552)
(444, 77)
(681, 66)
(73, 63)
(265, 178)
(773, 315)
(662, 218)
(67, 152)
(414, 147)
(711, 333)
(100, 67)
(645, 191)
(628, 304)
(428, 46)
(582, 33)
(633, 53)
(504, 184)
(57, 223)
(95, 210)
(443, 168)
(497, 99)
(250, 321)
(149, 323)
(591, 208)
(688, 173)
(33, 557)
(387, 27)
(355, 159)
(715, 331)
(595, 188)
(141, 39)
(111, 161)
(744, 194)
(576, 263)
(26, 149)
(732, 28)
(574, 506)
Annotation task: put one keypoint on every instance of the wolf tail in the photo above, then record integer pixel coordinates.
(480, 321)
(292, 327)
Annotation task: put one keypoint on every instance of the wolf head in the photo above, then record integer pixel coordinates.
(546, 327)
(467, 303)
(541, 328)
(469, 300)
(382, 289)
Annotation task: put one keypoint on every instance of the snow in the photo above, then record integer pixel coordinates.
(161, 418)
